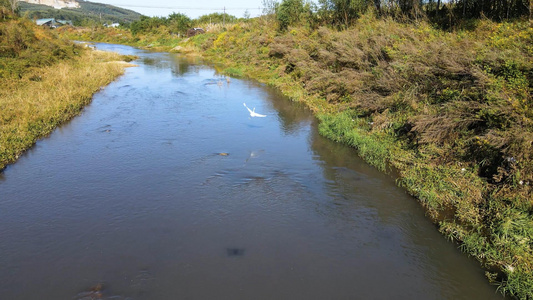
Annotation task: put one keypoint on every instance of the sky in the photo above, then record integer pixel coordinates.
(192, 9)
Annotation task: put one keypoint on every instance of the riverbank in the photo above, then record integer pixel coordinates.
(45, 82)
(449, 111)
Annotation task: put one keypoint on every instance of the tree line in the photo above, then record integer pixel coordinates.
(177, 23)
(445, 12)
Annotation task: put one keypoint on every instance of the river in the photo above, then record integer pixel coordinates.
(166, 188)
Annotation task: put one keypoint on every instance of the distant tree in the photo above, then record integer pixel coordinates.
(139, 26)
(494, 9)
(179, 23)
(215, 18)
(344, 12)
(269, 7)
(289, 12)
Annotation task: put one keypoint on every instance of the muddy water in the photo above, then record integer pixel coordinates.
(166, 188)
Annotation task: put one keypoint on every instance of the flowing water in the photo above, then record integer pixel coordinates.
(166, 188)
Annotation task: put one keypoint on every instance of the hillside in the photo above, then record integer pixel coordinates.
(87, 12)
(55, 3)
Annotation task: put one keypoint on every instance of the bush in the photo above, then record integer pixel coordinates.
(289, 13)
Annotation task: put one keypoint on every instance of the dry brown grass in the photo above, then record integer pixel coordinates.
(33, 106)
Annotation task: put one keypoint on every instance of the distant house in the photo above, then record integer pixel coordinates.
(64, 22)
(46, 22)
(113, 25)
(52, 23)
(194, 31)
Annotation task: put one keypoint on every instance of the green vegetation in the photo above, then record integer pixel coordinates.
(175, 23)
(450, 111)
(159, 33)
(215, 18)
(89, 13)
(45, 82)
(432, 90)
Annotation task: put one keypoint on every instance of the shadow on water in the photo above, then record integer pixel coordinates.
(292, 115)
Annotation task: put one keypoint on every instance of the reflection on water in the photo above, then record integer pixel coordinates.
(166, 188)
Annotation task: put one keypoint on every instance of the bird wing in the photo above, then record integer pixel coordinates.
(251, 112)
(254, 114)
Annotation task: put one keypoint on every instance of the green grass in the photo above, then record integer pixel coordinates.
(235, 72)
(345, 128)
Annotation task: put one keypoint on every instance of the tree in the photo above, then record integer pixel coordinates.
(344, 12)
(269, 7)
(289, 12)
(246, 14)
(216, 18)
(493, 9)
(179, 23)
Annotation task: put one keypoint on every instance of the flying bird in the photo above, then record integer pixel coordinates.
(253, 113)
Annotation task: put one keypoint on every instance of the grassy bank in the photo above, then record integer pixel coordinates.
(163, 41)
(450, 111)
(45, 82)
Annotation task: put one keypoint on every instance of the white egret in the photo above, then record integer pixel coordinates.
(253, 113)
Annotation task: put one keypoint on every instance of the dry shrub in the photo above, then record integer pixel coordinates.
(369, 102)
(278, 50)
(317, 83)
(347, 49)
(334, 86)
(326, 57)
(387, 81)
(281, 46)
(325, 33)
(261, 40)
(381, 120)
(447, 124)
(454, 59)
(297, 56)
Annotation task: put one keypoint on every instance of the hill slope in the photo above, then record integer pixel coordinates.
(88, 11)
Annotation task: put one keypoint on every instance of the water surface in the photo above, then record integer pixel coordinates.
(165, 188)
